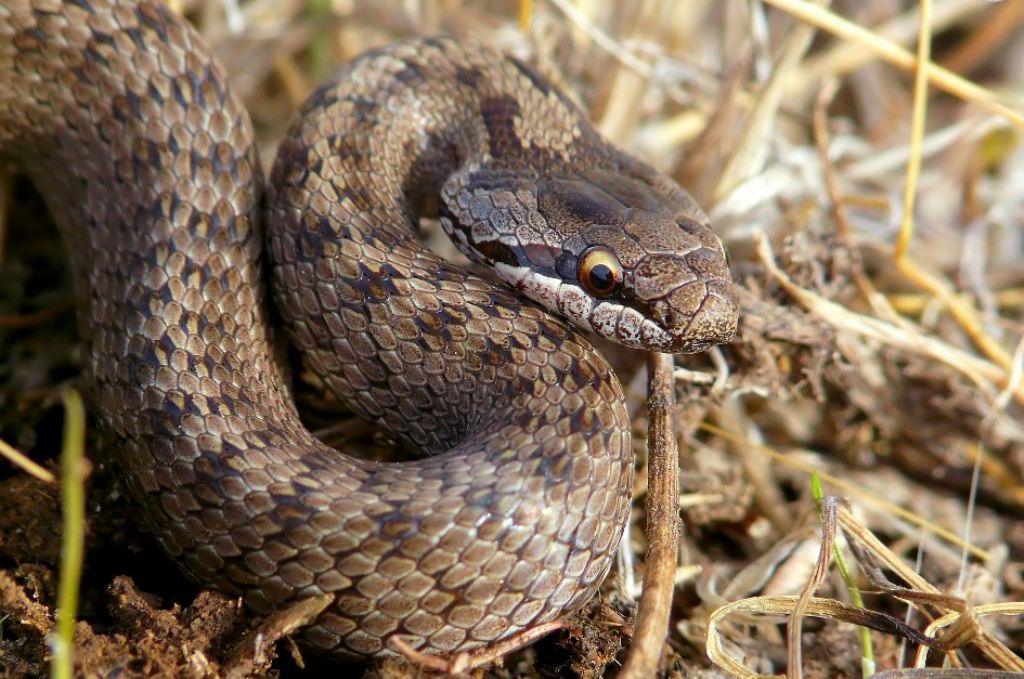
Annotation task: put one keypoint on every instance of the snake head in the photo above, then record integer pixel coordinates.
(631, 260)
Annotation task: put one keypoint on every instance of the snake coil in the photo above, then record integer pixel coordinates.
(125, 122)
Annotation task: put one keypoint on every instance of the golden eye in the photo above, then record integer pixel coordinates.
(600, 272)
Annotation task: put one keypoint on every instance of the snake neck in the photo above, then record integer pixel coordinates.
(414, 137)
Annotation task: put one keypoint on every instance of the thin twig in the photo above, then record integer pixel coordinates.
(662, 523)
(602, 39)
(894, 54)
(19, 459)
(917, 121)
(852, 489)
(33, 318)
(461, 663)
(981, 372)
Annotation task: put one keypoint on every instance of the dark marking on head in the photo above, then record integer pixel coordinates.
(468, 76)
(488, 180)
(575, 201)
(648, 309)
(566, 265)
(628, 190)
(499, 115)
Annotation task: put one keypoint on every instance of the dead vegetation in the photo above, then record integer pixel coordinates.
(875, 218)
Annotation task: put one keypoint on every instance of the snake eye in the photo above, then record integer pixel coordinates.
(600, 272)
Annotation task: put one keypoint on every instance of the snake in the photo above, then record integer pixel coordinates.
(185, 263)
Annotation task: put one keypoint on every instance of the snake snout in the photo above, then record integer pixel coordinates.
(691, 303)
(714, 321)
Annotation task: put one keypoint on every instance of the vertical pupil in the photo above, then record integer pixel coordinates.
(602, 277)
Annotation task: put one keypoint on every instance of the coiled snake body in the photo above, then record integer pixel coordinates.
(125, 122)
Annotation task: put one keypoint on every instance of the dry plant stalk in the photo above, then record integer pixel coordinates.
(662, 523)
(872, 555)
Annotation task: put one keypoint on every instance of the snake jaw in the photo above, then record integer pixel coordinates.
(714, 321)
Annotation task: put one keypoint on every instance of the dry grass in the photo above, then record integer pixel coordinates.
(875, 220)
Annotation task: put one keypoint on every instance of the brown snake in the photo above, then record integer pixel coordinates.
(125, 122)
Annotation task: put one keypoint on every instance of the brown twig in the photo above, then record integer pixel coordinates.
(461, 663)
(989, 36)
(256, 649)
(33, 318)
(662, 523)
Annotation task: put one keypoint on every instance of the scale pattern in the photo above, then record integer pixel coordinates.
(124, 120)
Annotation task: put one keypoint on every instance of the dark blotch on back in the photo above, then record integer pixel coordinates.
(410, 74)
(155, 18)
(541, 83)
(346, 148)
(432, 163)
(359, 196)
(362, 107)
(437, 41)
(468, 76)
(536, 78)
(499, 115)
